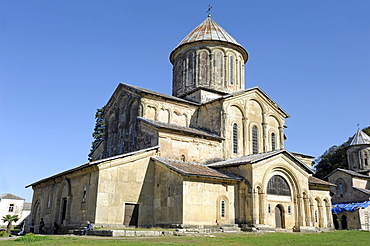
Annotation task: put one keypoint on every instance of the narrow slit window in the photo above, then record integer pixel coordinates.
(231, 70)
(273, 141)
(255, 139)
(341, 189)
(121, 141)
(222, 209)
(235, 138)
(84, 193)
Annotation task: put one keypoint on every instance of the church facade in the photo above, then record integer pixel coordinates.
(210, 156)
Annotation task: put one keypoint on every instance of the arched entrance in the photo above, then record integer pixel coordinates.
(335, 220)
(344, 222)
(36, 212)
(279, 218)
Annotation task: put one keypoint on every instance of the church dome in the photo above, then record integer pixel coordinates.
(360, 138)
(207, 59)
(209, 30)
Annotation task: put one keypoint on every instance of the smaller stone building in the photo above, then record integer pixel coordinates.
(351, 199)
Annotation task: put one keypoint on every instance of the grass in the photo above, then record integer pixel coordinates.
(259, 239)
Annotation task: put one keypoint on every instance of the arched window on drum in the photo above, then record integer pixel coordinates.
(235, 138)
(277, 185)
(273, 142)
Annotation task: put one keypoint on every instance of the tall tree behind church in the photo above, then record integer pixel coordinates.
(335, 157)
(99, 129)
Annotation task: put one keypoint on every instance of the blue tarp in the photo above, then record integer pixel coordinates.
(349, 206)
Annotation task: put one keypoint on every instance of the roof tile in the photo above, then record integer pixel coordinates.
(195, 169)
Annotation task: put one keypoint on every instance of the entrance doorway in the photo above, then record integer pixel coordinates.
(131, 214)
(64, 209)
(335, 220)
(344, 222)
(279, 222)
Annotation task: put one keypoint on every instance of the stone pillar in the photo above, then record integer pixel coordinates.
(241, 209)
(312, 208)
(321, 215)
(262, 199)
(255, 218)
(329, 216)
(264, 134)
(245, 136)
(281, 137)
(296, 212)
(68, 212)
(307, 211)
(301, 217)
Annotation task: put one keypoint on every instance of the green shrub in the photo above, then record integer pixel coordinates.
(4, 234)
(30, 237)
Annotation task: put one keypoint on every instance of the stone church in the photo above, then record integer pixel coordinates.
(351, 199)
(210, 156)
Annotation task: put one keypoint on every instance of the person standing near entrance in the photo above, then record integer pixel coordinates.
(32, 226)
(56, 227)
(42, 225)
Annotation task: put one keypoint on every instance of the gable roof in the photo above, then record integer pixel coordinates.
(195, 169)
(154, 93)
(360, 138)
(10, 196)
(366, 191)
(317, 181)
(251, 159)
(89, 164)
(257, 88)
(352, 173)
(178, 128)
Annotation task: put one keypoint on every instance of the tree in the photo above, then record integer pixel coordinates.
(335, 157)
(10, 219)
(99, 130)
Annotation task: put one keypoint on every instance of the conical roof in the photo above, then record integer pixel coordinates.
(360, 138)
(208, 30)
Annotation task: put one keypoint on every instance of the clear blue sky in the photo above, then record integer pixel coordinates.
(61, 60)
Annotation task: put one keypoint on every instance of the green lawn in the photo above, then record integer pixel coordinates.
(258, 239)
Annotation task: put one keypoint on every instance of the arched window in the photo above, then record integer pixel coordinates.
(183, 158)
(235, 138)
(190, 67)
(255, 139)
(277, 185)
(110, 146)
(365, 159)
(341, 189)
(222, 209)
(49, 202)
(231, 61)
(273, 141)
(121, 135)
(84, 193)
